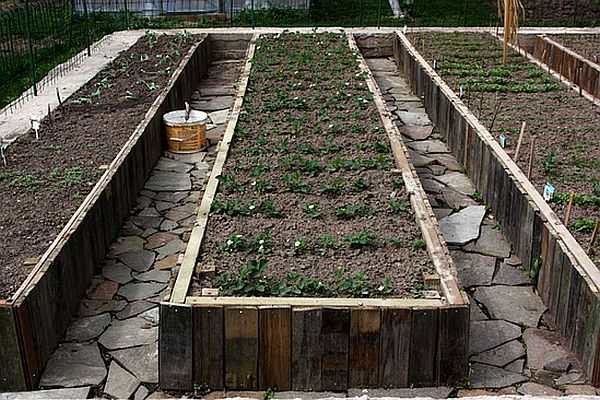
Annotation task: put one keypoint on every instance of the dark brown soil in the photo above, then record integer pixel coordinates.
(309, 124)
(566, 126)
(47, 179)
(586, 45)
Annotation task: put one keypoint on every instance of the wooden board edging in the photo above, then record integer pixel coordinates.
(188, 265)
(206, 301)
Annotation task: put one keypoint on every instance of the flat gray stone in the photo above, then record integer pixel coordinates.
(512, 276)
(117, 272)
(440, 392)
(168, 225)
(218, 117)
(456, 200)
(501, 355)
(414, 118)
(489, 377)
(139, 261)
(154, 275)
(485, 335)
(149, 212)
(517, 304)
(535, 389)
(416, 132)
(128, 333)
(379, 64)
(159, 239)
(173, 247)
(431, 186)
(543, 347)
(84, 329)
(181, 212)
(135, 308)
(120, 383)
(89, 307)
(152, 315)
(574, 390)
(141, 393)
(516, 366)
(74, 364)
(169, 165)
(127, 244)
(491, 242)
(51, 394)
(308, 395)
(163, 205)
(162, 181)
(213, 103)
(419, 160)
(141, 361)
(140, 291)
(571, 378)
(457, 181)
(473, 269)
(463, 226)
(146, 222)
(558, 365)
(190, 158)
(429, 146)
(448, 161)
(441, 212)
(476, 314)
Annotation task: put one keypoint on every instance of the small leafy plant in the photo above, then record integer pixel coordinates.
(398, 206)
(361, 239)
(312, 210)
(584, 225)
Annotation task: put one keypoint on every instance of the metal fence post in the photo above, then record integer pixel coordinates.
(31, 49)
(379, 15)
(87, 27)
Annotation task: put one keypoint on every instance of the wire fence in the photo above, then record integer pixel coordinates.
(38, 35)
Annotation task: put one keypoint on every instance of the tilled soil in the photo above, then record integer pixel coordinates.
(566, 126)
(586, 45)
(308, 188)
(47, 179)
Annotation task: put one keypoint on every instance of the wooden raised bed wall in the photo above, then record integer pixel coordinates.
(35, 319)
(567, 279)
(315, 344)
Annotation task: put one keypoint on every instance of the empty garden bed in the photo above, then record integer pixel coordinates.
(563, 125)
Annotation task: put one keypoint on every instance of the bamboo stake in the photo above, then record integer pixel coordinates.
(569, 209)
(518, 149)
(531, 156)
(594, 236)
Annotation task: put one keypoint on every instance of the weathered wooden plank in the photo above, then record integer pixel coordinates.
(335, 333)
(365, 324)
(453, 344)
(12, 374)
(396, 326)
(569, 329)
(424, 360)
(175, 351)
(307, 348)
(275, 348)
(557, 270)
(208, 331)
(241, 348)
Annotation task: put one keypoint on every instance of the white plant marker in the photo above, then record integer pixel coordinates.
(35, 125)
(404, 29)
(503, 140)
(549, 191)
(460, 92)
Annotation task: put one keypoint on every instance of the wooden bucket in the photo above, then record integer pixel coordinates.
(186, 135)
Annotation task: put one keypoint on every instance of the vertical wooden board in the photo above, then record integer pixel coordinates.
(483, 178)
(307, 348)
(275, 348)
(12, 374)
(365, 325)
(396, 325)
(591, 332)
(557, 267)
(568, 331)
(424, 360)
(533, 249)
(543, 276)
(175, 347)
(454, 344)
(335, 332)
(563, 296)
(583, 314)
(208, 346)
(241, 348)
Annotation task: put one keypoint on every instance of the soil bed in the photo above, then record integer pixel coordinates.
(46, 180)
(566, 126)
(587, 46)
(308, 204)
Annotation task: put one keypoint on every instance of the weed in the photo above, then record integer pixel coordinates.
(361, 239)
(260, 243)
(312, 210)
(262, 185)
(397, 243)
(24, 181)
(398, 183)
(231, 208)
(386, 287)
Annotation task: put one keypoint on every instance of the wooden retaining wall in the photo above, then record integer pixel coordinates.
(568, 281)
(311, 344)
(579, 70)
(35, 319)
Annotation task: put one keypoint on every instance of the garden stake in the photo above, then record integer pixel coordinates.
(594, 236)
(518, 149)
(569, 209)
(58, 96)
(497, 106)
(49, 114)
(531, 149)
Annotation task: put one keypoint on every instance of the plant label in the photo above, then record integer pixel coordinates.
(503, 141)
(35, 125)
(405, 29)
(460, 92)
(549, 190)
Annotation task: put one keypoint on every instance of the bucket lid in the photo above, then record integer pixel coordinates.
(177, 117)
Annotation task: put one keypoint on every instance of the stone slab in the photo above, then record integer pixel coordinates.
(126, 244)
(168, 182)
(456, 200)
(128, 333)
(501, 355)
(490, 377)
(491, 242)
(84, 329)
(512, 276)
(218, 117)
(536, 389)
(141, 361)
(485, 335)
(139, 261)
(74, 364)
(473, 269)
(170, 165)
(429, 146)
(457, 181)
(517, 304)
(416, 132)
(463, 226)
(120, 383)
(543, 347)
(135, 308)
(439, 392)
(51, 394)
(140, 291)
(117, 272)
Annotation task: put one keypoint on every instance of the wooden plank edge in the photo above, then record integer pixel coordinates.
(52, 251)
(571, 52)
(587, 267)
(313, 302)
(424, 216)
(184, 277)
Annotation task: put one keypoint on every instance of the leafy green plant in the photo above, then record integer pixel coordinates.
(333, 187)
(353, 285)
(351, 211)
(296, 284)
(230, 184)
(295, 183)
(260, 243)
(584, 225)
(300, 246)
(312, 210)
(550, 163)
(419, 244)
(361, 239)
(360, 185)
(68, 177)
(327, 242)
(398, 206)
(250, 280)
(269, 209)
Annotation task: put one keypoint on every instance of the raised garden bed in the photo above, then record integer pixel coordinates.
(587, 46)
(564, 124)
(567, 280)
(315, 210)
(69, 191)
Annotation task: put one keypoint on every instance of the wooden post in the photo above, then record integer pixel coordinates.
(531, 156)
(594, 236)
(518, 149)
(569, 209)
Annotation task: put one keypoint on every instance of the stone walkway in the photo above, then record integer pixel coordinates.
(112, 347)
(511, 348)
